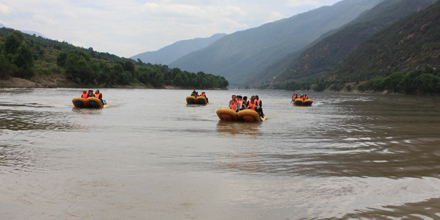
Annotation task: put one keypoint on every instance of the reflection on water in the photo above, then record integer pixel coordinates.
(347, 156)
(232, 129)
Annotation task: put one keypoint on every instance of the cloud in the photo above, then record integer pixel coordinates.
(274, 16)
(296, 3)
(126, 28)
(6, 10)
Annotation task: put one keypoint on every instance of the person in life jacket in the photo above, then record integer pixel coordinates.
(245, 102)
(204, 95)
(84, 95)
(98, 95)
(253, 104)
(90, 93)
(304, 97)
(260, 106)
(233, 103)
(240, 102)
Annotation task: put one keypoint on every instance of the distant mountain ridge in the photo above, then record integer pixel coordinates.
(319, 59)
(27, 32)
(172, 52)
(412, 42)
(240, 55)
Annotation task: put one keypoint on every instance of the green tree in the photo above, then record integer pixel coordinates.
(24, 58)
(130, 67)
(12, 43)
(392, 82)
(61, 59)
(320, 87)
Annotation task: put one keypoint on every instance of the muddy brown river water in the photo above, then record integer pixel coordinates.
(150, 156)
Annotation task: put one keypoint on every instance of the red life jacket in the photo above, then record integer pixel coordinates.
(84, 95)
(233, 104)
(203, 95)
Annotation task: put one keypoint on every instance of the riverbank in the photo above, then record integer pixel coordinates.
(60, 82)
(37, 82)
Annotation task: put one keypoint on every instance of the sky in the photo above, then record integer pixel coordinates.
(130, 27)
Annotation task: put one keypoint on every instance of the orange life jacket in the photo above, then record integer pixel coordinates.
(259, 102)
(252, 106)
(203, 95)
(233, 104)
(84, 95)
(97, 95)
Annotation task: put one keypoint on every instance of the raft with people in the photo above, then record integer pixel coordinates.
(242, 110)
(90, 100)
(195, 98)
(302, 100)
(246, 115)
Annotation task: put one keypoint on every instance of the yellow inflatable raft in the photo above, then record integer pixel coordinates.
(226, 114)
(88, 103)
(80, 103)
(191, 100)
(250, 116)
(247, 115)
(94, 103)
(201, 100)
(300, 102)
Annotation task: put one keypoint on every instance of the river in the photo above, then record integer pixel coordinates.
(150, 156)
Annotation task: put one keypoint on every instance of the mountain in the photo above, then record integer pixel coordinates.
(176, 50)
(240, 55)
(27, 32)
(406, 44)
(319, 59)
(34, 33)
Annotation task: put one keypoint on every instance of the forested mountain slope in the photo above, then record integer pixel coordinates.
(239, 56)
(48, 63)
(172, 52)
(406, 44)
(320, 59)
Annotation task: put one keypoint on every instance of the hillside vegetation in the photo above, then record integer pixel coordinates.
(321, 58)
(405, 45)
(239, 56)
(31, 57)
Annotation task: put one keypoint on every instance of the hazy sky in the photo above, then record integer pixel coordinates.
(129, 27)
